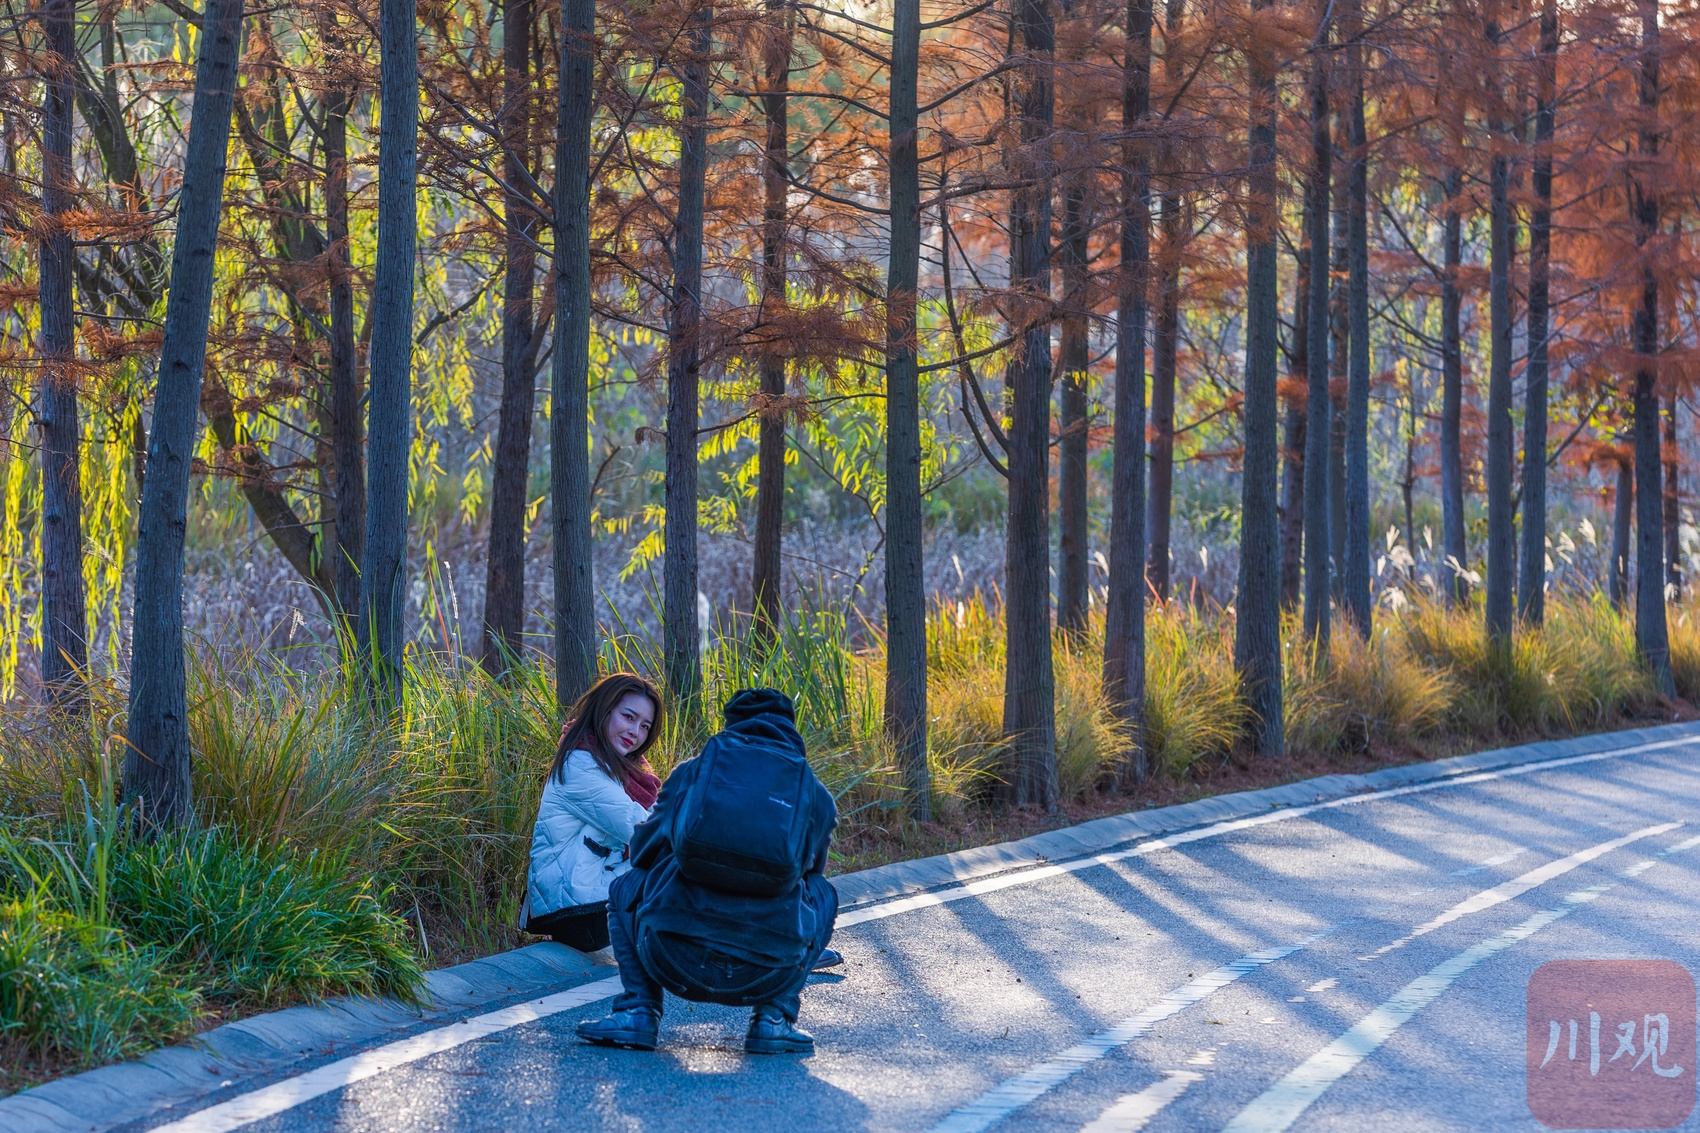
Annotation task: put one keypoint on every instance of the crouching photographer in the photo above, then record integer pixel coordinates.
(727, 900)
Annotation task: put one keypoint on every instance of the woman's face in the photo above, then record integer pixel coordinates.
(628, 725)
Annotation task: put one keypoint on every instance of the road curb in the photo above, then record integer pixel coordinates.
(262, 1044)
(116, 1095)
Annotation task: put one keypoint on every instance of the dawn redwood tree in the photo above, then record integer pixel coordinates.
(1501, 557)
(770, 443)
(64, 612)
(1318, 542)
(1073, 256)
(1651, 633)
(1074, 357)
(1340, 350)
(1124, 619)
(1531, 603)
(1171, 226)
(1452, 543)
(390, 406)
(1257, 623)
(504, 588)
(682, 643)
(905, 598)
(348, 446)
(156, 761)
(1355, 567)
(1029, 707)
(1293, 452)
(1622, 525)
(1672, 511)
(298, 248)
(569, 428)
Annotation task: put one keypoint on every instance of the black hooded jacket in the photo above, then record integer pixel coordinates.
(774, 930)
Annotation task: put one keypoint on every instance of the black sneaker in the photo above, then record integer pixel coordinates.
(772, 1033)
(829, 958)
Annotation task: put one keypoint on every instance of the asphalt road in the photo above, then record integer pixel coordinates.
(1349, 967)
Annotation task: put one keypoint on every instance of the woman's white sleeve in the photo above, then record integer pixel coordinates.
(601, 802)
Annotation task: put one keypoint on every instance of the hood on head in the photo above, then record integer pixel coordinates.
(747, 703)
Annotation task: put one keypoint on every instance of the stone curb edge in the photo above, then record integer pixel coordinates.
(114, 1095)
(129, 1091)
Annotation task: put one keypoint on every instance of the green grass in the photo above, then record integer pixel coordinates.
(335, 853)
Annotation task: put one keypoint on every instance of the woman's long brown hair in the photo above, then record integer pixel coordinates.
(590, 717)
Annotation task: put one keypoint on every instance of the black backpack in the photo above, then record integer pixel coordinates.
(743, 826)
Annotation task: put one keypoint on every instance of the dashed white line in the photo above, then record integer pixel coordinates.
(1280, 1105)
(1132, 1112)
(1497, 859)
(1517, 886)
(1002, 1100)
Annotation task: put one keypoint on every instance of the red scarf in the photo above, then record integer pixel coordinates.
(643, 785)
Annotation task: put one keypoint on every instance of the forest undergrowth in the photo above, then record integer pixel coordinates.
(337, 854)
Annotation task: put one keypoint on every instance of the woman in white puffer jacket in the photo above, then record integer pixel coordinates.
(599, 788)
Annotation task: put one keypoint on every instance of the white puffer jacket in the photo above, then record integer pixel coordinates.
(587, 804)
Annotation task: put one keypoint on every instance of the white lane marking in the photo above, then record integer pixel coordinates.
(1002, 1100)
(1280, 1105)
(1519, 885)
(1498, 859)
(1324, 985)
(1132, 1112)
(850, 917)
(291, 1092)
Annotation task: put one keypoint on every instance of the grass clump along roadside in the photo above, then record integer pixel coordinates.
(336, 854)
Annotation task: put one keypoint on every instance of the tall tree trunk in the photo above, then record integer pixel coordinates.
(1165, 342)
(390, 417)
(770, 453)
(1453, 548)
(1672, 500)
(1294, 451)
(1622, 521)
(1532, 583)
(156, 761)
(569, 428)
(684, 351)
(348, 446)
(1340, 341)
(64, 613)
(1029, 712)
(1407, 484)
(296, 240)
(504, 588)
(1257, 625)
(1502, 550)
(1317, 543)
(1124, 624)
(1651, 633)
(1355, 568)
(1072, 447)
(905, 601)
